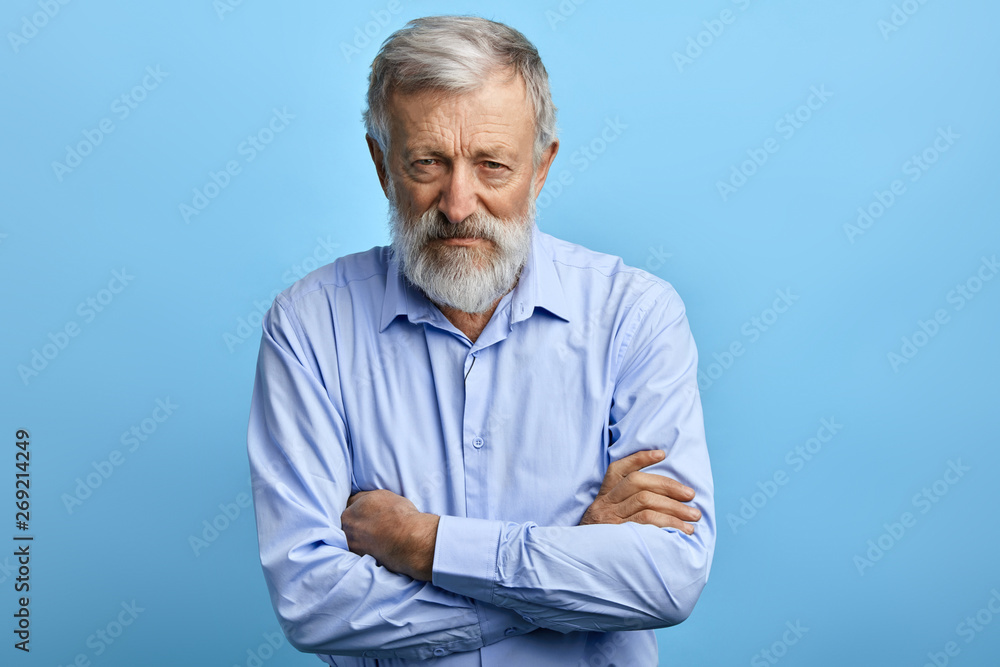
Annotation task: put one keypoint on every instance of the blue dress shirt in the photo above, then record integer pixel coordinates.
(363, 384)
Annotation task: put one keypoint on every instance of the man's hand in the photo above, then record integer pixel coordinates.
(629, 495)
(392, 530)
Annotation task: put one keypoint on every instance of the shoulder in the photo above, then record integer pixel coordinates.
(353, 282)
(358, 272)
(607, 278)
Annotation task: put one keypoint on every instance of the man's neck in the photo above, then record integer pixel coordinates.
(471, 324)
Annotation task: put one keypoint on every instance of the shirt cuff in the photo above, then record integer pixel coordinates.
(465, 563)
(497, 623)
(465, 556)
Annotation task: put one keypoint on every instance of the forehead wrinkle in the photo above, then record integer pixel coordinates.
(463, 124)
(486, 139)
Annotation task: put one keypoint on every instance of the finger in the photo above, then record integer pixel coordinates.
(647, 500)
(643, 481)
(356, 497)
(653, 518)
(618, 470)
(636, 461)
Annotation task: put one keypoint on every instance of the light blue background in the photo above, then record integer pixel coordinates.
(650, 196)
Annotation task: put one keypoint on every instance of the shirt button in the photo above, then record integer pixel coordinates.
(510, 631)
(440, 651)
(478, 443)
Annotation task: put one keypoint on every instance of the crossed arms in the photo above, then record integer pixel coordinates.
(390, 528)
(367, 574)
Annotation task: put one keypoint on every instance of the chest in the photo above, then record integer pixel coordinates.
(516, 430)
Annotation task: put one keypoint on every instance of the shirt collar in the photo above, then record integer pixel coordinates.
(538, 286)
(401, 296)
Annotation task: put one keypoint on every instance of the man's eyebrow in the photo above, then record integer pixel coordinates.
(496, 150)
(421, 149)
(491, 151)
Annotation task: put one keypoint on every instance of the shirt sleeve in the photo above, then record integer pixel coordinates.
(329, 600)
(608, 577)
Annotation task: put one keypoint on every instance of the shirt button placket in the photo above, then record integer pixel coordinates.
(477, 400)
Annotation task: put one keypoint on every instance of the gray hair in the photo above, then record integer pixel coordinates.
(455, 54)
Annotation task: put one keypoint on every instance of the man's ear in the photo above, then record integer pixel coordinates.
(542, 172)
(379, 159)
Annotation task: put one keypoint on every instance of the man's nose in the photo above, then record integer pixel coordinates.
(458, 195)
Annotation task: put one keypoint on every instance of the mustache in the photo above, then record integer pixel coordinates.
(436, 225)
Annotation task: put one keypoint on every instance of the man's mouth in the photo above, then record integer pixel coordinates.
(462, 240)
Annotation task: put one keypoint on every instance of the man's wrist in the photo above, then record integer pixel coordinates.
(420, 545)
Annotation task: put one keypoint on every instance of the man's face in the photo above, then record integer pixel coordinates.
(461, 186)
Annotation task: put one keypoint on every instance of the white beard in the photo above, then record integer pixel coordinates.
(469, 279)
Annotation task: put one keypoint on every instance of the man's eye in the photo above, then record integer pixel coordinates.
(426, 162)
(493, 165)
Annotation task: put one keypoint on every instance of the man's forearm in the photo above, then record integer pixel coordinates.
(421, 547)
(599, 577)
(576, 578)
(389, 528)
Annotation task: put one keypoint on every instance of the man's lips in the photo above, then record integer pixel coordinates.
(462, 241)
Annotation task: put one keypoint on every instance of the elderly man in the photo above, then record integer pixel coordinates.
(480, 445)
